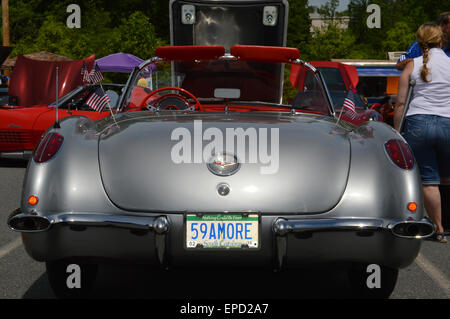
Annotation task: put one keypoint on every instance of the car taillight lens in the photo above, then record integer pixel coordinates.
(400, 153)
(48, 147)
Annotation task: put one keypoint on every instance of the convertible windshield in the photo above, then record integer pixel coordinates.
(231, 81)
(338, 98)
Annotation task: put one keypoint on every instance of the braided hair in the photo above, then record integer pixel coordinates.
(429, 35)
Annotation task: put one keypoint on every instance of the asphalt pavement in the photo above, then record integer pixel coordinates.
(22, 277)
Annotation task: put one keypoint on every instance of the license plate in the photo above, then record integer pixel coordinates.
(222, 231)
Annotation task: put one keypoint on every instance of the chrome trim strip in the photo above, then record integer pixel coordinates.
(281, 227)
(17, 155)
(322, 83)
(327, 93)
(96, 219)
(120, 221)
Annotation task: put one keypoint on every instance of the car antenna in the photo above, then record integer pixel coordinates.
(56, 125)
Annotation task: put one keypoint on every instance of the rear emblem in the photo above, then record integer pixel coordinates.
(223, 164)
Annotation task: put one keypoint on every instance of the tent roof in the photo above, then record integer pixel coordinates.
(118, 62)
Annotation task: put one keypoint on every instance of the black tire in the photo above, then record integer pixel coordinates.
(58, 276)
(358, 277)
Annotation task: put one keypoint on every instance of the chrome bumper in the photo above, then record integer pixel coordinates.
(20, 155)
(27, 223)
(408, 229)
(281, 227)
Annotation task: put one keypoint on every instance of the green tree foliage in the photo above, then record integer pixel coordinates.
(399, 22)
(398, 38)
(138, 26)
(106, 27)
(329, 10)
(331, 42)
(136, 35)
(299, 24)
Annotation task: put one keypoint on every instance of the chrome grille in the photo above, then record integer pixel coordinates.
(14, 137)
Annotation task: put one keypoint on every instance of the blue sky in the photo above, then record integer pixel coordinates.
(342, 3)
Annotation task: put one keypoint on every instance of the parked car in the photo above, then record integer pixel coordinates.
(4, 97)
(213, 169)
(22, 127)
(340, 78)
(386, 108)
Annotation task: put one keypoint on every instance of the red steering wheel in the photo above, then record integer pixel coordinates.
(157, 101)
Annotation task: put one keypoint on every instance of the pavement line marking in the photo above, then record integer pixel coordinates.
(10, 247)
(434, 273)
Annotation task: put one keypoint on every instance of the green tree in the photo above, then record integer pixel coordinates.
(136, 35)
(299, 24)
(399, 38)
(331, 42)
(399, 21)
(329, 10)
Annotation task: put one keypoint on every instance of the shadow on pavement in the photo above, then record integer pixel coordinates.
(13, 163)
(140, 282)
(40, 289)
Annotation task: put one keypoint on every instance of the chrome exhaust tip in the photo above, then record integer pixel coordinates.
(413, 229)
(27, 223)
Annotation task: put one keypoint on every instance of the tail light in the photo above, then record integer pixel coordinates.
(48, 147)
(400, 153)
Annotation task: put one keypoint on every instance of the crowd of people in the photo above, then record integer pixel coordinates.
(426, 71)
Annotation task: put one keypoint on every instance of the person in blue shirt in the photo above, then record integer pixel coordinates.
(414, 50)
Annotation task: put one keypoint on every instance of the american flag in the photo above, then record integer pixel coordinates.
(96, 75)
(98, 100)
(349, 104)
(85, 73)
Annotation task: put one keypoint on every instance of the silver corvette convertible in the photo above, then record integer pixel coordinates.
(223, 158)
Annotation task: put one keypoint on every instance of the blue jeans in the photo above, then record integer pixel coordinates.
(429, 138)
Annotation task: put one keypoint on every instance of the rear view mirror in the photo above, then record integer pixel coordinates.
(222, 93)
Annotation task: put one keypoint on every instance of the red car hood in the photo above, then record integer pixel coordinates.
(34, 82)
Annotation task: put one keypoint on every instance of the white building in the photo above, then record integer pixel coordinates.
(318, 21)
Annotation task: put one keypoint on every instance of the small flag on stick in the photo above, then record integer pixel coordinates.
(98, 100)
(349, 104)
(95, 75)
(85, 73)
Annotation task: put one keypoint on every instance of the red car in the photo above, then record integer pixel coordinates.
(340, 78)
(33, 92)
(22, 127)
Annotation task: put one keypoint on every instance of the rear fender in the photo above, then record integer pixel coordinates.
(70, 181)
(376, 187)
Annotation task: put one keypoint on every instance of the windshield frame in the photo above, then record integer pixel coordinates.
(125, 97)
